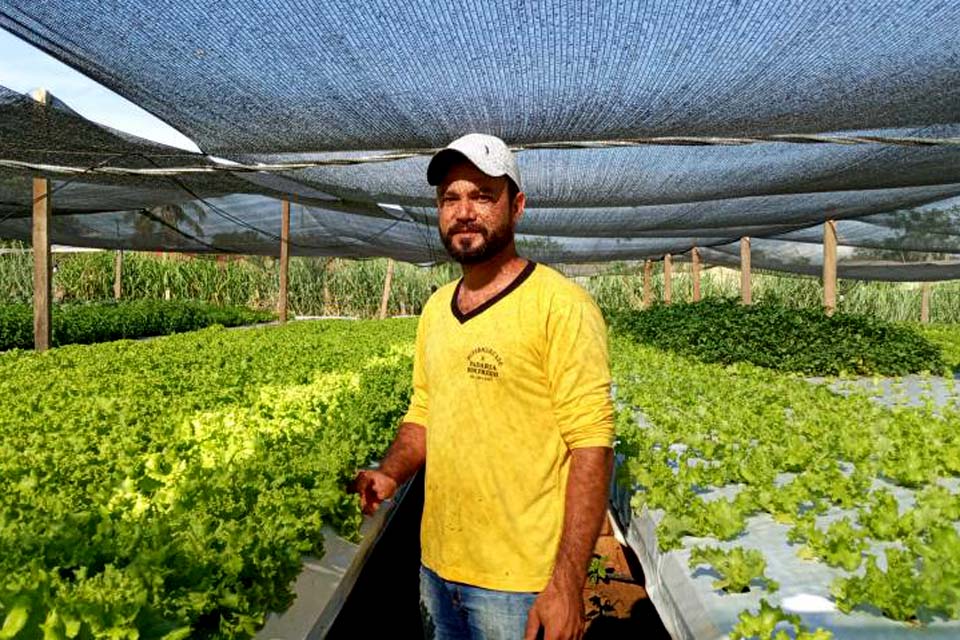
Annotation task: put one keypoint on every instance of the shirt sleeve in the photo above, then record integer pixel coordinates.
(418, 411)
(579, 373)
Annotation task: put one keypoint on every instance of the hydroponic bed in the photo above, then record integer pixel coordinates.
(851, 499)
(170, 488)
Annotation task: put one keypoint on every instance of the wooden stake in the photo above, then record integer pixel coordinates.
(385, 299)
(746, 296)
(327, 297)
(925, 302)
(42, 264)
(667, 279)
(695, 258)
(647, 284)
(829, 267)
(284, 260)
(117, 274)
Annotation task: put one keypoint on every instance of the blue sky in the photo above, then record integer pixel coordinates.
(24, 68)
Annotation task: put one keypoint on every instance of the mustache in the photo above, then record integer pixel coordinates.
(467, 228)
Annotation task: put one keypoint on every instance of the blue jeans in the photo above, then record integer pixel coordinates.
(455, 611)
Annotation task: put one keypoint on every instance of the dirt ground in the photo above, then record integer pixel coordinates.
(618, 607)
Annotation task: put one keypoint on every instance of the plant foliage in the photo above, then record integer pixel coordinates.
(169, 488)
(773, 336)
(738, 568)
(773, 623)
(105, 321)
(779, 445)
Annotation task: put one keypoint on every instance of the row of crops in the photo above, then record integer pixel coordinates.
(863, 488)
(725, 456)
(168, 489)
(92, 322)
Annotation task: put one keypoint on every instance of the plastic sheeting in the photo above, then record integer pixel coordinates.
(323, 585)
(288, 81)
(691, 609)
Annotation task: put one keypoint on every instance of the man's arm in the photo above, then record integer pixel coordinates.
(559, 608)
(407, 454)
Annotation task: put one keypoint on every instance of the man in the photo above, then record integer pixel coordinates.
(510, 412)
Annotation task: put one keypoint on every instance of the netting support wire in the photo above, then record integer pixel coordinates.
(667, 279)
(42, 262)
(647, 283)
(746, 294)
(284, 261)
(830, 267)
(214, 165)
(695, 272)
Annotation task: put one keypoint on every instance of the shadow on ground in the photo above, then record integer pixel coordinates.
(385, 601)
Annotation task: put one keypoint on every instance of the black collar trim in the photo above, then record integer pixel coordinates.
(463, 317)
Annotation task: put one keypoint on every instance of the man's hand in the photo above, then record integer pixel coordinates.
(374, 487)
(559, 610)
(407, 454)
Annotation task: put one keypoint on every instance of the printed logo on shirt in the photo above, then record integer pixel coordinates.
(483, 363)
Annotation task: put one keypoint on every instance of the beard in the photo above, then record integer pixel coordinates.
(492, 242)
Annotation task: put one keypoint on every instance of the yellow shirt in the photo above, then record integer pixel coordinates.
(505, 392)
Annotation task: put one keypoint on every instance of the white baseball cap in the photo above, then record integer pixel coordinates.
(489, 154)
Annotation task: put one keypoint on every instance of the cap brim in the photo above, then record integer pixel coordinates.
(440, 164)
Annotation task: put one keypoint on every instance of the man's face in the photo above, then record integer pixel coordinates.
(477, 217)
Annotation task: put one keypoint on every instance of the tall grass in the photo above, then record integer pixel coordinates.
(333, 286)
(891, 301)
(16, 273)
(318, 286)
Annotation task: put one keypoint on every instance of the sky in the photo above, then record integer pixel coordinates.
(24, 68)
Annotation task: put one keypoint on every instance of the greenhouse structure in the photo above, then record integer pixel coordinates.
(779, 136)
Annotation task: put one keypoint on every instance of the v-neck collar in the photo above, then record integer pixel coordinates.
(517, 281)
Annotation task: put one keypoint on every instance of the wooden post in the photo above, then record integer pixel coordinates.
(925, 302)
(695, 260)
(385, 299)
(667, 279)
(284, 261)
(829, 267)
(117, 274)
(327, 296)
(746, 296)
(42, 264)
(647, 284)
